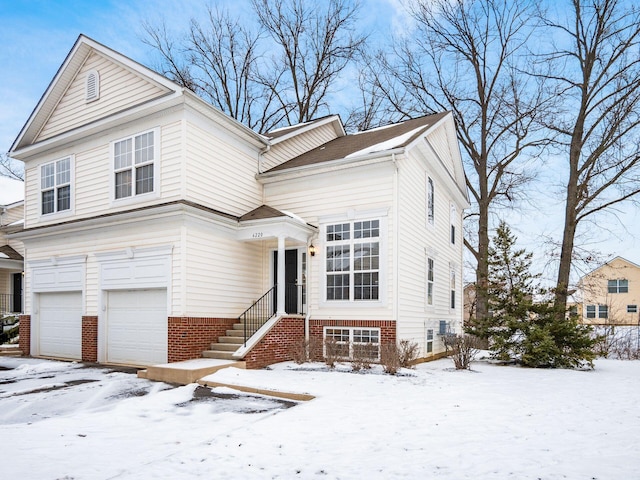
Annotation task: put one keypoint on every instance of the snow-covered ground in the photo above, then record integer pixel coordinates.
(494, 422)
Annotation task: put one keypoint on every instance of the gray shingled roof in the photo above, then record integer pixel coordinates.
(342, 147)
(10, 253)
(262, 212)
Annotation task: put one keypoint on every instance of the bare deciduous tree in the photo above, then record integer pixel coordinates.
(218, 60)
(469, 57)
(10, 168)
(598, 78)
(316, 42)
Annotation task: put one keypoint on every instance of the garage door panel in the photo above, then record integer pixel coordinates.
(137, 327)
(60, 324)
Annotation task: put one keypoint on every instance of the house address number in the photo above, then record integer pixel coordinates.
(257, 235)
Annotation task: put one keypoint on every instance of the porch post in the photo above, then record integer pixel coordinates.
(280, 310)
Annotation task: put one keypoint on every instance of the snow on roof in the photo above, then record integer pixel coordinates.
(387, 145)
(11, 190)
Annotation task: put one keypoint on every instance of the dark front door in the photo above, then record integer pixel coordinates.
(17, 292)
(290, 279)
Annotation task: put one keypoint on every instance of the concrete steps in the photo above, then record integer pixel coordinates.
(227, 344)
(10, 351)
(189, 371)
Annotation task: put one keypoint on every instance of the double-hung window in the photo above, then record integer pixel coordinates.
(430, 201)
(353, 261)
(597, 311)
(430, 278)
(452, 271)
(618, 286)
(55, 186)
(453, 216)
(133, 165)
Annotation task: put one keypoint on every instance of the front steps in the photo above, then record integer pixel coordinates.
(227, 344)
(10, 350)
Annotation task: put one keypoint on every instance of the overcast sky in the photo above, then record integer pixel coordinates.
(36, 36)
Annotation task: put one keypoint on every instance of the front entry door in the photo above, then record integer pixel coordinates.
(290, 279)
(17, 293)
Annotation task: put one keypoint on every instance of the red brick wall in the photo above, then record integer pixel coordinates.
(387, 329)
(188, 337)
(276, 345)
(89, 339)
(25, 334)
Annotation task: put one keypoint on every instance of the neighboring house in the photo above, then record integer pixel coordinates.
(156, 227)
(469, 302)
(11, 251)
(611, 294)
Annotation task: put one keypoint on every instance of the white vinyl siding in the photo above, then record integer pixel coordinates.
(119, 90)
(220, 172)
(141, 234)
(420, 242)
(341, 195)
(92, 170)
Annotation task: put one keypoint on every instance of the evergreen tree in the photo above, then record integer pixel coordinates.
(517, 327)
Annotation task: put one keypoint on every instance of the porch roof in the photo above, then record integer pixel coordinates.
(267, 222)
(10, 259)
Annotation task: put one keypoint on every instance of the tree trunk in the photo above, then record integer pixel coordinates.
(482, 270)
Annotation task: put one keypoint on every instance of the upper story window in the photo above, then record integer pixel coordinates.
(430, 201)
(133, 165)
(92, 86)
(55, 186)
(454, 218)
(353, 261)
(618, 286)
(430, 278)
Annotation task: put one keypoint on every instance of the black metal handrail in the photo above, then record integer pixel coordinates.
(265, 307)
(257, 314)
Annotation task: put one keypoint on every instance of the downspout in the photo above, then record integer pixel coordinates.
(261, 154)
(396, 249)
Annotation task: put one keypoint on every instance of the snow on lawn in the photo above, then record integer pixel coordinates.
(432, 422)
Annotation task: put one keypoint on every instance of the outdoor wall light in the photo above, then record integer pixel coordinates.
(312, 250)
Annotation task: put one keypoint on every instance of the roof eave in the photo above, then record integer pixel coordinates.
(376, 157)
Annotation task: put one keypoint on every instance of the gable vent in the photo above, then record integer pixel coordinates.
(92, 86)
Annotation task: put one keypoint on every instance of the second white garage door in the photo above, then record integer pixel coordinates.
(137, 326)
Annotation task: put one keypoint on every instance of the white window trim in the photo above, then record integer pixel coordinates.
(96, 96)
(427, 281)
(429, 341)
(351, 342)
(453, 214)
(350, 217)
(430, 220)
(453, 286)
(56, 213)
(133, 199)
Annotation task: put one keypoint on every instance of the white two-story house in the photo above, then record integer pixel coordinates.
(157, 228)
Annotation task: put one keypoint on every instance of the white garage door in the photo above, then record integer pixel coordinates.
(137, 326)
(61, 325)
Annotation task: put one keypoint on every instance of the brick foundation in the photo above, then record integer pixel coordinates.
(188, 337)
(316, 330)
(276, 345)
(25, 334)
(89, 338)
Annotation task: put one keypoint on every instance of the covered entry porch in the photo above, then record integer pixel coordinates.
(288, 241)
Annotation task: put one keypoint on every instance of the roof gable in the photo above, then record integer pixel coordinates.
(617, 262)
(63, 106)
(377, 140)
